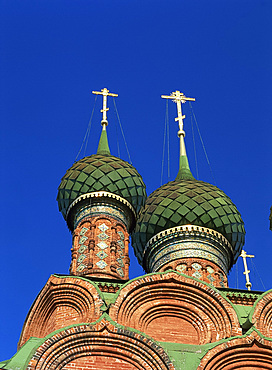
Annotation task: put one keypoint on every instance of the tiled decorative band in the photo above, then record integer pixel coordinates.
(187, 242)
(105, 199)
(99, 209)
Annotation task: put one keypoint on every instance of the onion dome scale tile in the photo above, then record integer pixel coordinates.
(101, 172)
(183, 202)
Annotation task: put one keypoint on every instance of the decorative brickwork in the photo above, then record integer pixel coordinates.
(249, 352)
(62, 301)
(175, 308)
(241, 297)
(108, 287)
(102, 362)
(100, 246)
(200, 269)
(109, 344)
(262, 315)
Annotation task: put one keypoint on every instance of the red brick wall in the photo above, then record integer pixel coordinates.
(62, 316)
(98, 363)
(59, 317)
(172, 329)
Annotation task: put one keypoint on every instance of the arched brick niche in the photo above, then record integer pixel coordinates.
(251, 352)
(262, 314)
(98, 347)
(61, 302)
(172, 307)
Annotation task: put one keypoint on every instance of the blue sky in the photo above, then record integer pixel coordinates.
(55, 52)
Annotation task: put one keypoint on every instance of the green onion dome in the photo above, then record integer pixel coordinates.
(188, 201)
(101, 172)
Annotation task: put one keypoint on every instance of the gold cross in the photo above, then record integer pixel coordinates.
(105, 92)
(178, 98)
(244, 255)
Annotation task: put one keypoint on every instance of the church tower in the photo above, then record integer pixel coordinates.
(99, 197)
(181, 314)
(188, 225)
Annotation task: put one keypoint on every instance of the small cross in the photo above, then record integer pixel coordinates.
(105, 92)
(244, 255)
(178, 98)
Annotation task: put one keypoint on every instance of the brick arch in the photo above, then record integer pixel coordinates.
(94, 219)
(262, 314)
(164, 323)
(103, 342)
(173, 307)
(61, 301)
(89, 362)
(85, 221)
(248, 352)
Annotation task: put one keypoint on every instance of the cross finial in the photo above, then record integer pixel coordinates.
(105, 92)
(178, 98)
(244, 255)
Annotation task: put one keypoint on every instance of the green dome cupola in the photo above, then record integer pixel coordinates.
(187, 219)
(189, 202)
(101, 175)
(101, 172)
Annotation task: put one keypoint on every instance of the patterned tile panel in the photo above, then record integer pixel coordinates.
(81, 258)
(83, 231)
(103, 236)
(121, 244)
(121, 234)
(83, 239)
(120, 271)
(102, 255)
(98, 210)
(82, 248)
(81, 267)
(103, 227)
(101, 264)
(175, 250)
(102, 245)
(120, 262)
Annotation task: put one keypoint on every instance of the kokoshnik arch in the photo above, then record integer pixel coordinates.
(181, 314)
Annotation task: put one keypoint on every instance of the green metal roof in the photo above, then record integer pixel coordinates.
(183, 202)
(103, 146)
(101, 173)
(184, 169)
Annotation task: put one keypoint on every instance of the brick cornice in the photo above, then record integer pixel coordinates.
(250, 351)
(261, 314)
(104, 338)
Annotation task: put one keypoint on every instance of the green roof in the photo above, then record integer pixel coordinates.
(183, 202)
(101, 172)
(184, 169)
(103, 146)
